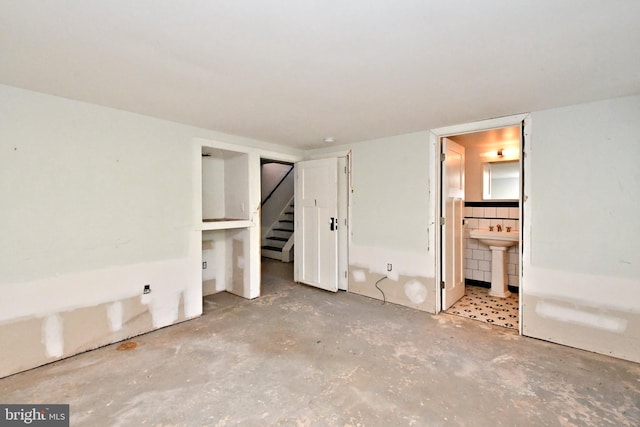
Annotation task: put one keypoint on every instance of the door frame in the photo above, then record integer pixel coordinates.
(435, 137)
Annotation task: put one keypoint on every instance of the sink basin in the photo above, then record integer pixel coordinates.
(501, 239)
(498, 242)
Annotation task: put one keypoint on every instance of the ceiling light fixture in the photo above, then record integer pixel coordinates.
(329, 139)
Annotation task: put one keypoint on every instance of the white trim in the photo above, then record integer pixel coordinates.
(525, 214)
(436, 194)
(481, 125)
(280, 157)
(324, 155)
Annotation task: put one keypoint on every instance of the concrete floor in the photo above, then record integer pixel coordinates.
(299, 356)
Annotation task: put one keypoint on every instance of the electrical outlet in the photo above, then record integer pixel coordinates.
(204, 265)
(389, 267)
(147, 289)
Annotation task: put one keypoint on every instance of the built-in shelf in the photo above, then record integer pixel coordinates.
(225, 187)
(227, 229)
(225, 224)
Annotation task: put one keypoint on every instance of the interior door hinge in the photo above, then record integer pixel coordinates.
(345, 275)
(442, 285)
(443, 157)
(442, 220)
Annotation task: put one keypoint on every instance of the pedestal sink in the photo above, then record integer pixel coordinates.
(498, 242)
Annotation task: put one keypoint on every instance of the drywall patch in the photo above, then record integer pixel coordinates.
(136, 317)
(572, 323)
(114, 314)
(410, 291)
(359, 275)
(581, 317)
(165, 308)
(21, 345)
(237, 280)
(52, 335)
(209, 287)
(415, 291)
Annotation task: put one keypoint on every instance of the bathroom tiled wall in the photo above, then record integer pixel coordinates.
(477, 256)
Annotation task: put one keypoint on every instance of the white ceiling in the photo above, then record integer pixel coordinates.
(295, 71)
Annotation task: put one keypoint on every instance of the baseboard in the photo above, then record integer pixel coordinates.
(480, 283)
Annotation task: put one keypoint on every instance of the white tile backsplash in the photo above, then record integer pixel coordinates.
(502, 213)
(512, 258)
(478, 254)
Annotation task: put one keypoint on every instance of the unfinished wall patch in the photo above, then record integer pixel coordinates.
(581, 317)
(359, 275)
(52, 335)
(24, 335)
(410, 291)
(114, 314)
(165, 308)
(415, 291)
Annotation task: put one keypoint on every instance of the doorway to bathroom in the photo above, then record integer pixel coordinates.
(480, 180)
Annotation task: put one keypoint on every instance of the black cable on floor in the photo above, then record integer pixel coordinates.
(384, 298)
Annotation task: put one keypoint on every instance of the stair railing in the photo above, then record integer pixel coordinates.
(276, 187)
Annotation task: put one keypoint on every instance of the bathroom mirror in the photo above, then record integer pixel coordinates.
(501, 180)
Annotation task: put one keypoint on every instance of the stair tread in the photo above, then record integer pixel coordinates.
(272, 248)
(287, 220)
(281, 239)
(282, 229)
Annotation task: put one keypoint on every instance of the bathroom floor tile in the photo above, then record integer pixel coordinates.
(478, 305)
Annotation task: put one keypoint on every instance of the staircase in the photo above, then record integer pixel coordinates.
(278, 242)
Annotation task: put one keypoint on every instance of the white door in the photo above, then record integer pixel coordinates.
(453, 213)
(316, 223)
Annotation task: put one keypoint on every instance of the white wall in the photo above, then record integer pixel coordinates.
(96, 203)
(272, 173)
(390, 215)
(582, 261)
(582, 257)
